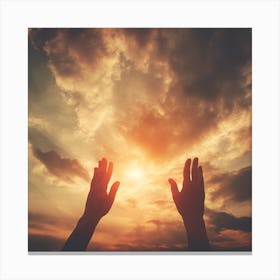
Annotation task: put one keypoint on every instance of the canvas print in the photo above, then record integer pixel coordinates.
(139, 139)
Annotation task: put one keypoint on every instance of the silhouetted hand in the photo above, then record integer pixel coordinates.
(190, 204)
(98, 204)
(190, 200)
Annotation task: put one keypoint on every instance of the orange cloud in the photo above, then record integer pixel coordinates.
(232, 240)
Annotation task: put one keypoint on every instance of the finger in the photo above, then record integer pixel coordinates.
(200, 178)
(109, 171)
(94, 178)
(194, 169)
(95, 174)
(186, 172)
(103, 166)
(174, 188)
(113, 191)
(97, 171)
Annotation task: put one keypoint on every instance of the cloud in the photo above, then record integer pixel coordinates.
(142, 36)
(151, 235)
(70, 45)
(44, 221)
(162, 203)
(173, 85)
(232, 240)
(38, 242)
(41, 139)
(210, 63)
(209, 73)
(64, 168)
(227, 232)
(223, 220)
(157, 235)
(235, 186)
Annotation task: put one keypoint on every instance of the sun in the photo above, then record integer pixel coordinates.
(134, 172)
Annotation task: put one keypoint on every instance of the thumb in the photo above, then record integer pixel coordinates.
(174, 188)
(113, 191)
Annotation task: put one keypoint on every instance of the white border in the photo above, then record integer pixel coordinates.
(262, 16)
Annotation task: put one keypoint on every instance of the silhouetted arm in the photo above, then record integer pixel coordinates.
(190, 204)
(98, 204)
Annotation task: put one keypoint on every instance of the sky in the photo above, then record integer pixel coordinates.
(146, 99)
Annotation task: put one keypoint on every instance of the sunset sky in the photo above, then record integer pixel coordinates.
(146, 99)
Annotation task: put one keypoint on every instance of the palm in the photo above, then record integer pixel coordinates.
(99, 202)
(190, 200)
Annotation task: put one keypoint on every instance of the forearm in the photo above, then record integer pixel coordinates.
(197, 236)
(81, 235)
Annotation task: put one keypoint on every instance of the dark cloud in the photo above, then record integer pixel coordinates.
(209, 63)
(65, 46)
(42, 140)
(87, 43)
(41, 243)
(64, 168)
(222, 220)
(227, 232)
(141, 35)
(45, 100)
(235, 186)
(37, 63)
(37, 37)
(222, 247)
(48, 225)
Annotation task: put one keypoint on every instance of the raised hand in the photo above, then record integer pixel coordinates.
(98, 204)
(190, 200)
(190, 204)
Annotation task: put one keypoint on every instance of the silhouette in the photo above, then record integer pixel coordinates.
(190, 204)
(98, 204)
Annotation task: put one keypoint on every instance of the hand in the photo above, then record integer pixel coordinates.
(98, 201)
(190, 204)
(190, 200)
(98, 204)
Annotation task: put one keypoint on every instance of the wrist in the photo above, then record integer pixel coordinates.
(89, 220)
(196, 233)
(193, 222)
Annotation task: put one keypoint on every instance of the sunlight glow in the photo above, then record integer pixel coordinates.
(135, 172)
